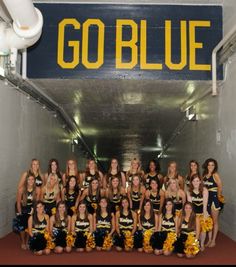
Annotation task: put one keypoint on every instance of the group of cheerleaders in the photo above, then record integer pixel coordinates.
(133, 210)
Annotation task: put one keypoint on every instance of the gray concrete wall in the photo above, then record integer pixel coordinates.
(199, 139)
(27, 131)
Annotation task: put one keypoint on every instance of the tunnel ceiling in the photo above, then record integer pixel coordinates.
(123, 118)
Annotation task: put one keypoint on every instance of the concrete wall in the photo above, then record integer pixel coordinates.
(27, 131)
(214, 134)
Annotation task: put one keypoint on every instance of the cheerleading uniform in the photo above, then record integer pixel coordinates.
(88, 178)
(136, 198)
(149, 178)
(82, 226)
(197, 201)
(109, 176)
(212, 187)
(38, 180)
(59, 233)
(126, 222)
(148, 224)
(70, 199)
(156, 200)
(92, 202)
(178, 204)
(49, 202)
(103, 227)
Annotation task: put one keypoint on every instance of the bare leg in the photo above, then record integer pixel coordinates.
(202, 240)
(22, 238)
(215, 217)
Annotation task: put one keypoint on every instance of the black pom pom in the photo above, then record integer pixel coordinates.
(37, 242)
(80, 240)
(138, 239)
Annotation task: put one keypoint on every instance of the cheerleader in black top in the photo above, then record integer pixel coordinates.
(167, 224)
(126, 225)
(92, 195)
(212, 181)
(60, 224)
(198, 196)
(34, 170)
(81, 227)
(71, 170)
(104, 224)
(136, 193)
(193, 169)
(114, 171)
(38, 225)
(90, 174)
(114, 193)
(156, 195)
(27, 195)
(135, 169)
(53, 167)
(153, 174)
(147, 224)
(71, 195)
(188, 225)
(50, 194)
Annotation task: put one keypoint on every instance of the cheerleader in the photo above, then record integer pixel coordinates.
(163, 240)
(27, 195)
(92, 195)
(104, 224)
(50, 194)
(82, 228)
(212, 181)
(136, 193)
(172, 172)
(60, 224)
(90, 174)
(148, 224)
(53, 167)
(71, 195)
(71, 170)
(34, 170)
(156, 196)
(126, 225)
(176, 194)
(153, 174)
(198, 196)
(114, 170)
(193, 169)
(114, 193)
(135, 169)
(38, 227)
(189, 229)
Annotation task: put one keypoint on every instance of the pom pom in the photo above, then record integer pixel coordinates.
(37, 242)
(169, 242)
(107, 243)
(179, 244)
(73, 209)
(60, 238)
(53, 211)
(191, 245)
(157, 239)
(80, 240)
(138, 239)
(222, 201)
(129, 240)
(99, 236)
(118, 240)
(48, 238)
(206, 224)
(70, 240)
(90, 242)
(146, 241)
(178, 213)
(94, 205)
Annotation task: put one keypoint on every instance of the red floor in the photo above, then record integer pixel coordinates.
(223, 253)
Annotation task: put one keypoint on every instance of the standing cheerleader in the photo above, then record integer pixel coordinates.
(90, 174)
(50, 194)
(176, 194)
(172, 172)
(189, 229)
(104, 224)
(193, 169)
(163, 240)
(135, 169)
(114, 193)
(114, 170)
(148, 224)
(82, 229)
(212, 181)
(53, 167)
(136, 193)
(71, 170)
(34, 170)
(38, 227)
(27, 195)
(153, 173)
(156, 196)
(92, 195)
(126, 225)
(60, 224)
(71, 195)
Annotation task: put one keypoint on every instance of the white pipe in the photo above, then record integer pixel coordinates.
(214, 63)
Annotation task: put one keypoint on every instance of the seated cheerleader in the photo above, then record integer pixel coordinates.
(163, 240)
(26, 198)
(82, 229)
(104, 224)
(126, 224)
(38, 227)
(60, 224)
(148, 224)
(189, 230)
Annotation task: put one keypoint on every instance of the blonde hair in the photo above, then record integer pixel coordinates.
(169, 191)
(55, 187)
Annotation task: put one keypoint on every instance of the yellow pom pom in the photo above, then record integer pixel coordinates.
(178, 213)
(73, 209)
(107, 243)
(70, 240)
(146, 241)
(221, 199)
(168, 244)
(129, 240)
(50, 243)
(90, 242)
(191, 245)
(94, 205)
(53, 211)
(206, 224)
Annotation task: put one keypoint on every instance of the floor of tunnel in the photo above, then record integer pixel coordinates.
(11, 254)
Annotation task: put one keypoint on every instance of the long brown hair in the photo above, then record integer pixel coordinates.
(25, 189)
(111, 189)
(57, 215)
(142, 214)
(191, 188)
(192, 218)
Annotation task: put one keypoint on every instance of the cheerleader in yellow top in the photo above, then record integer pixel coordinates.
(212, 181)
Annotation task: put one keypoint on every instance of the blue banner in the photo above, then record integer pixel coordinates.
(111, 41)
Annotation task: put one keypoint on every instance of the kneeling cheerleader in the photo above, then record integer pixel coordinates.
(82, 229)
(104, 222)
(187, 243)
